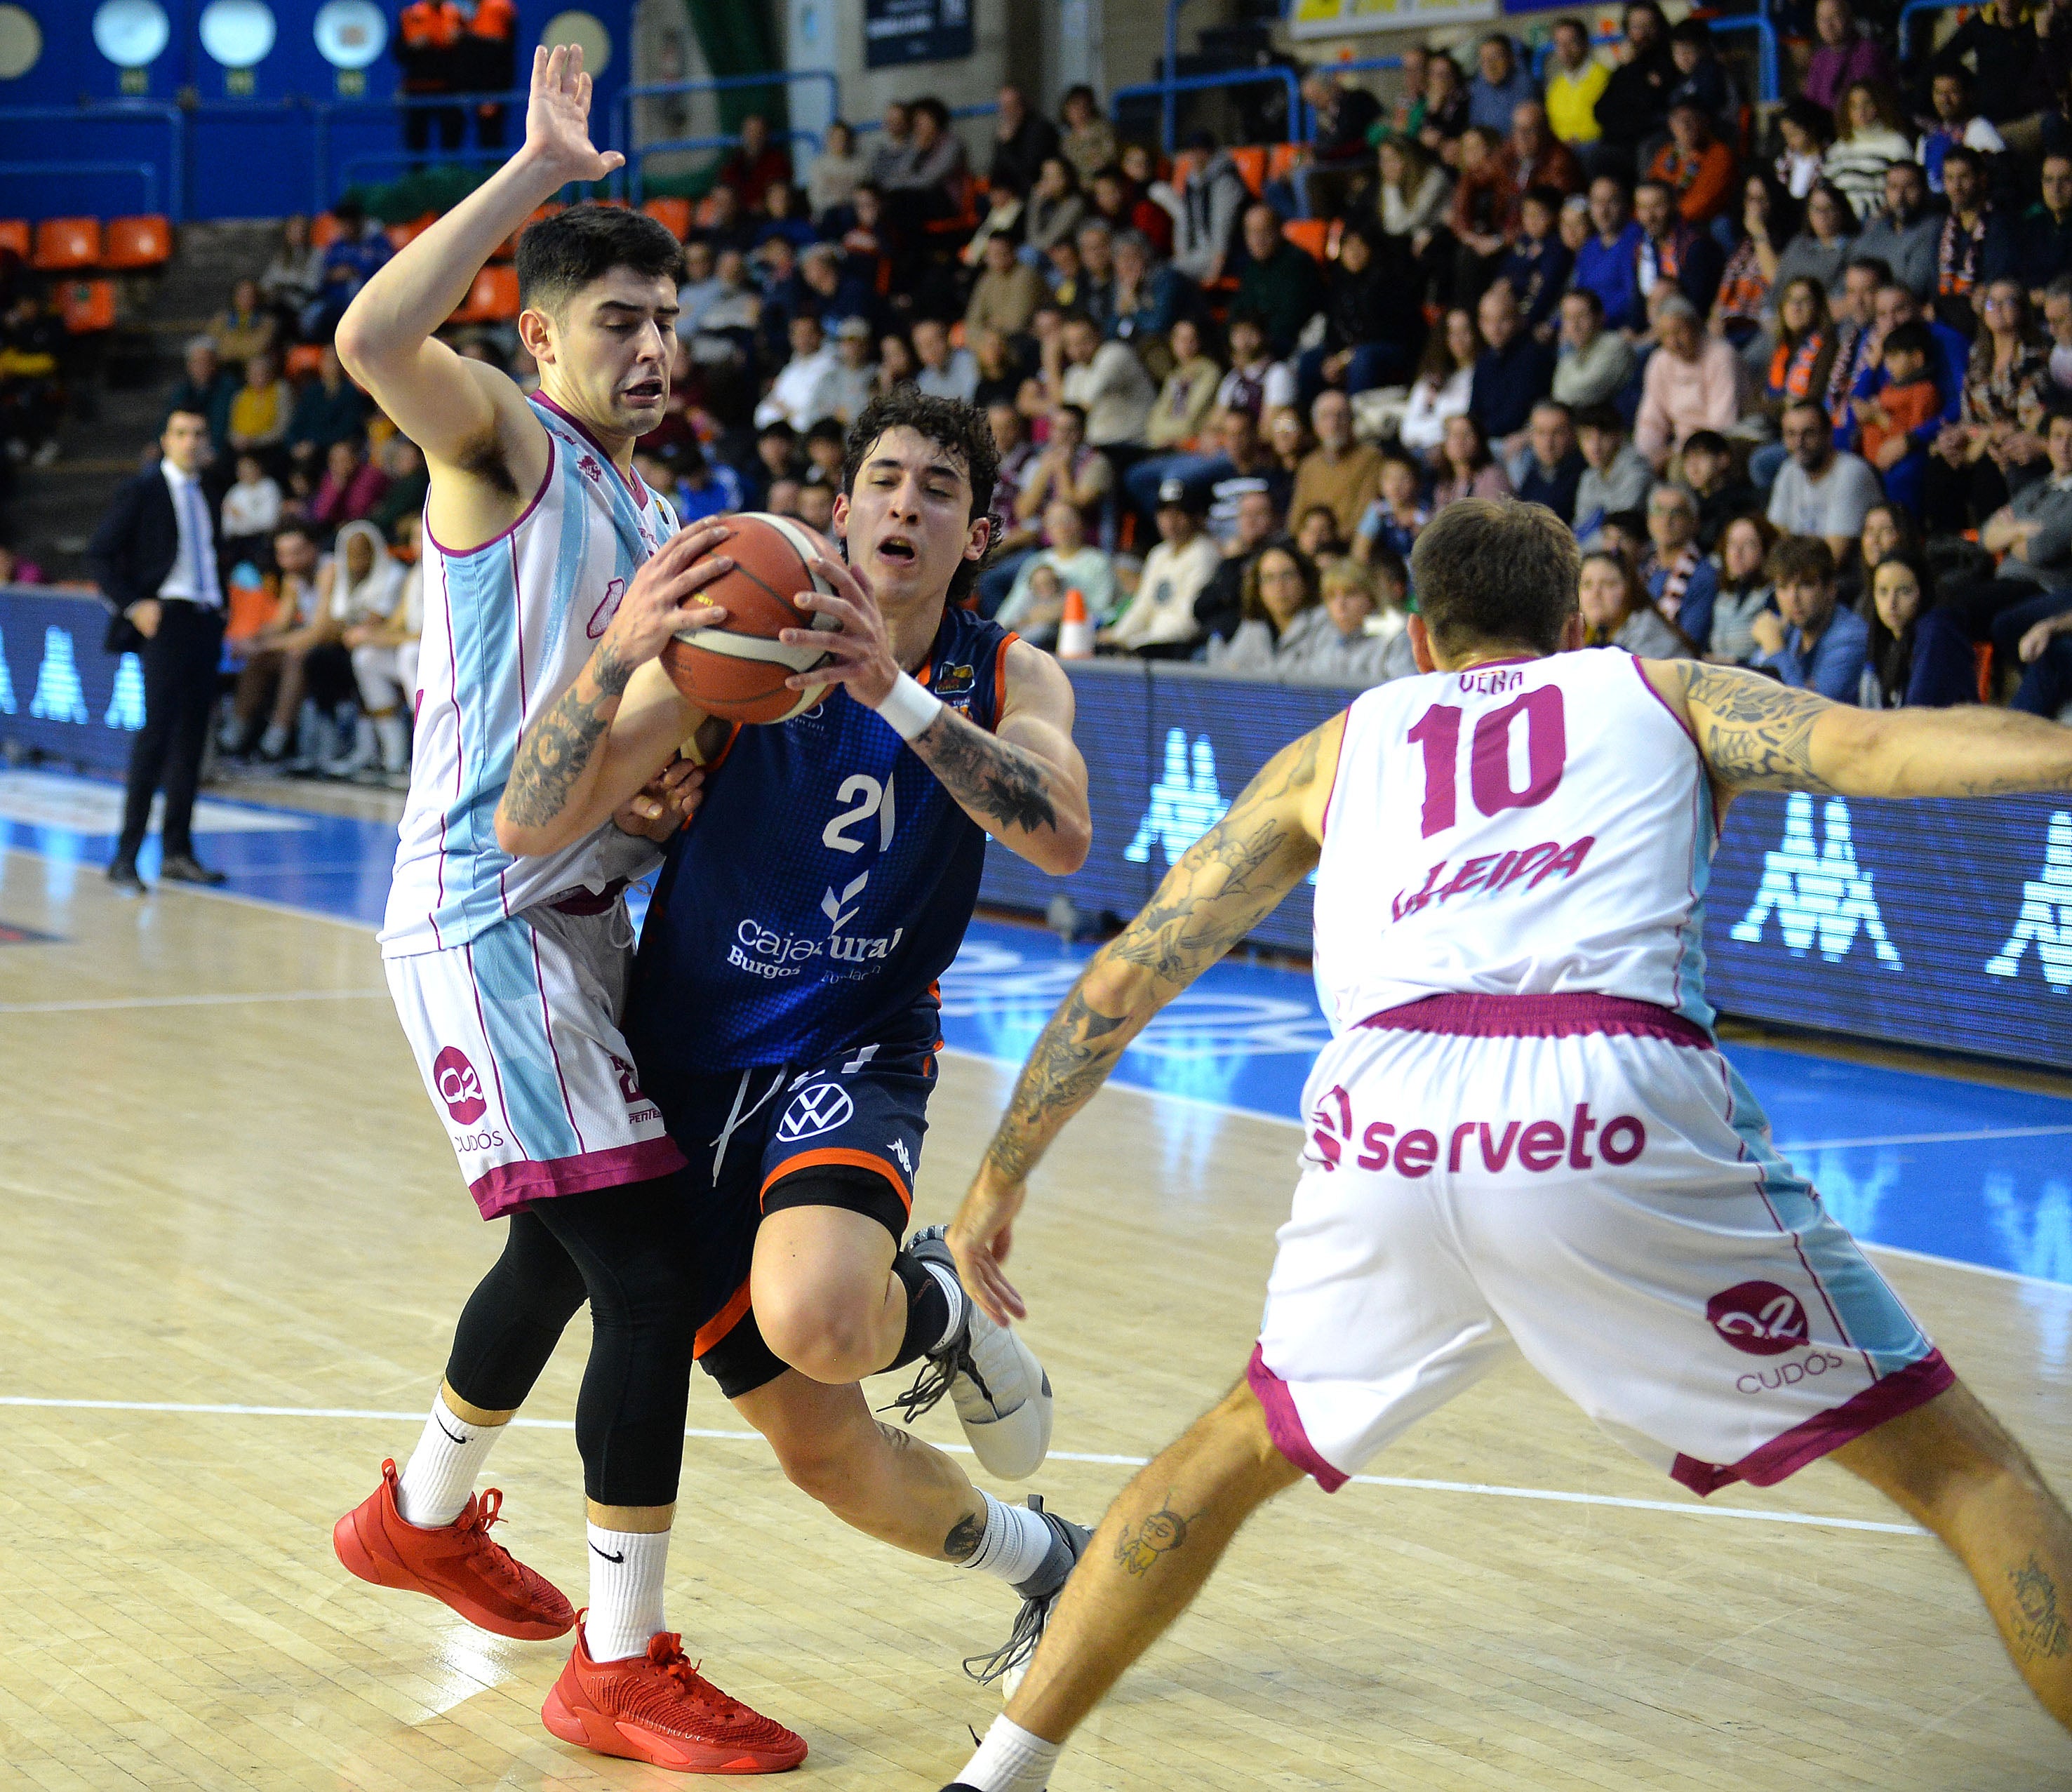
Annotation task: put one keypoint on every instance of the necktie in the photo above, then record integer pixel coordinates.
(206, 588)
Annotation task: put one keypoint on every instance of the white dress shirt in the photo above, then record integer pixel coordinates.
(193, 577)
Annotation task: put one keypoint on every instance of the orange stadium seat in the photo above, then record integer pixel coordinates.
(304, 361)
(493, 299)
(673, 214)
(1251, 160)
(142, 242)
(86, 305)
(401, 235)
(1281, 158)
(14, 235)
(1311, 234)
(64, 244)
(324, 230)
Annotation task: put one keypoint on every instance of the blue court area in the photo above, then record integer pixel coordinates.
(1944, 1166)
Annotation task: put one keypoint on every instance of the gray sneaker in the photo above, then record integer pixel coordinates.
(1039, 1592)
(1001, 1391)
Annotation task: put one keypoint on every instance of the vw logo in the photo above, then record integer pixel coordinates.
(819, 1109)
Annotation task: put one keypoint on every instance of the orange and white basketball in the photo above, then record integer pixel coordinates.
(736, 668)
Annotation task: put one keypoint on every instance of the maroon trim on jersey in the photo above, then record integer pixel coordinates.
(1640, 672)
(1547, 1016)
(464, 553)
(507, 1188)
(590, 901)
(1284, 1424)
(1337, 764)
(1902, 1391)
(635, 488)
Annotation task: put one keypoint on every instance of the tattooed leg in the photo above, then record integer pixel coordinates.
(1156, 1548)
(1951, 1465)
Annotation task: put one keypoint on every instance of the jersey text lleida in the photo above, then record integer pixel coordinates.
(823, 887)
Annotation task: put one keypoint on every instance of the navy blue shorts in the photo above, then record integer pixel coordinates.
(845, 1131)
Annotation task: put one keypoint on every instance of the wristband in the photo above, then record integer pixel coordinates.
(909, 709)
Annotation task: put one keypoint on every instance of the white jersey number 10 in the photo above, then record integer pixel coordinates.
(1438, 732)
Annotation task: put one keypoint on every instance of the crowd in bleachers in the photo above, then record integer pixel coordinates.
(1803, 387)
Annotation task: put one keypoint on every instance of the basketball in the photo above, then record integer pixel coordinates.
(736, 668)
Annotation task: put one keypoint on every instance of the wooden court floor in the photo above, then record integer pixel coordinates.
(222, 1187)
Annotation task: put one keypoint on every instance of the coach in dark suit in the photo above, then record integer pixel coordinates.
(154, 558)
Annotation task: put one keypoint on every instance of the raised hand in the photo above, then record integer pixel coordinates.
(558, 116)
(658, 603)
(860, 657)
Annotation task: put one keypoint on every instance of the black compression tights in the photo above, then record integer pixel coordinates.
(628, 1251)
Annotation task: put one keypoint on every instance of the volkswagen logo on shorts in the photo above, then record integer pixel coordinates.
(819, 1109)
(1759, 1318)
(458, 1085)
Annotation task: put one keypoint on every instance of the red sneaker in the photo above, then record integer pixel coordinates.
(657, 1708)
(457, 1563)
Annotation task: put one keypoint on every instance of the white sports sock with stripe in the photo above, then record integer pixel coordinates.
(1015, 1543)
(626, 1570)
(1011, 1759)
(440, 1475)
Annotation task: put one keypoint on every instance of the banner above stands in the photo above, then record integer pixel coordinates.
(1309, 19)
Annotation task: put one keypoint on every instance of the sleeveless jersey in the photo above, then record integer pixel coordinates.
(508, 625)
(1529, 827)
(825, 885)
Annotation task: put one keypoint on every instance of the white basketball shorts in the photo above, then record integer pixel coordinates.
(516, 1034)
(1586, 1181)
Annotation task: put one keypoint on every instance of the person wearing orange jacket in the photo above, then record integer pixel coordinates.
(1694, 165)
(488, 64)
(428, 45)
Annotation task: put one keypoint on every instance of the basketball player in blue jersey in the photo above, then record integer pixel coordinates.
(783, 1011)
(508, 974)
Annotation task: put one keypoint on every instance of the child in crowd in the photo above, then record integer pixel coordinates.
(1538, 266)
(251, 509)
(1393, 520)
(1722, 494)
(1903, 400)
(1317, 534)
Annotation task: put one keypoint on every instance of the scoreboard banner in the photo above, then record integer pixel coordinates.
(1311, 18)
(1944, 925)
(61, 693)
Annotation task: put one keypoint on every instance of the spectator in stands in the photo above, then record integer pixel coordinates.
(1023, 140)
(1957, 120)
(754, 164)
(358, 588)
(328, 409)
(827, 291)
(1844, 58)
(1000, 373)
(2032, 534)
(1745, 591)
(1246, 464)
(1551, 466)
(782, 218)
(1281, 289)
(1805, 352)
(245, 327)
(1253, 383)
(1853, 310)
(1903, 233)
(701, 286)
(1159, 622)
(251, 511)
(1068, 562)
(1339, 474)
(1219, 609)
(403, 462)
(1146, 298)
(1720, 493)
(1372, 322)
(1117, 203)
(1820, 492)
(1672, 250)
(1393, 520)
(1445, 384)
(1748, 278)
(1501, 85)
(1212, 197)
(945, 373)
(2043, 233)
(726, 225)
(892, 155)
(1484, 213)
(1575, 80)
(803, 392)
(1514, 371)
(1616, 612)
(1701, 77)
(1809, 642)
(1330, 642)
(259, 413)
(1917, 655)
(1068, 467)
(206, 389)
(352, 486)
(1574, 227)
(1807, 130)
(2058, 317)
(292, 277)
(831, 182)
(1089, 139)
(1005, 295)
(1681, 582)
(1609, 264)
(2001, 46)
(705, 488)
(1635, 101)
(1343, 117)
(1870, 137)
(1467, 469)
(816, 505)
(1094, 292)
(269, 692)
(1189, 393)
(1054, 209)
(1316, 534)
(1105, 379)
(361, 248)
(1976, 247)
(1901, 414)
(1415, 191)
(1281, 592)
(154, 557)
(1697, 167)
(930, 185)
(1594, 364)
(2006, 383)
(1616, 474)
(1445, 114)
(1538, 157)
(1408, 112)
(1537, 268)
(1692, 381)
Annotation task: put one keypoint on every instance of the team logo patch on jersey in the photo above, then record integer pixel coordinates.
(607, 607)
(458, 1085)
(819, 1109)
(956, 681)
(1758, 1318)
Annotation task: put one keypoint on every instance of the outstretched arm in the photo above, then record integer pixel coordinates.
(1758, 734)
(1229, 881)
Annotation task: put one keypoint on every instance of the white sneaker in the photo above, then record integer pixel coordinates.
(1000, 1392)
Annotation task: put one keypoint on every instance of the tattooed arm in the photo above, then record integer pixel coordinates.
(1758, 734)
(1229, 879)
(1025, 782)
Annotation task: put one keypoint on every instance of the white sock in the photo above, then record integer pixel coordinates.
(1011, 1759)
(954, 1291)
(440, 1475)
(626, 1569)
(1015, 1543)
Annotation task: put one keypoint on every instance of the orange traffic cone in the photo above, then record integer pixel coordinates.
(1076, 634)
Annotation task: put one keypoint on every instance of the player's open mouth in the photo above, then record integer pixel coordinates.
(899, 549)
(648, 392)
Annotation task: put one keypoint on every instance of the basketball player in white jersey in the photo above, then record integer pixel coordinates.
(1522, 1138)
(509, 974)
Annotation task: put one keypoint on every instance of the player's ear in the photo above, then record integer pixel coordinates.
(1420, 645)
(980, 538)
(838, 519)
(1572, 633)
(536, 330)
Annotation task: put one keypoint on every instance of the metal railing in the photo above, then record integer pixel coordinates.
(143, 170)
(636, 159)
(1766, 48)
(325, 114)
(1903, 31)
(1202, 84)
(622, 109)
(122, 112)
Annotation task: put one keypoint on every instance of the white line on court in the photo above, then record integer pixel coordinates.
(1679, 1508)
(97, 1006)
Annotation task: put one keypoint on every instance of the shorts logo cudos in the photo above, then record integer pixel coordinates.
(458, 1085)
(1758, 1318)
(819, 1109)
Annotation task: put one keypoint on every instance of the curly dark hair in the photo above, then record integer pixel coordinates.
(960, 428)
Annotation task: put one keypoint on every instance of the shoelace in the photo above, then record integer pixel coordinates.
(929, 1387)
(1021, 1645)
(665, 1649)
(488, 1510)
